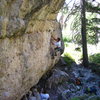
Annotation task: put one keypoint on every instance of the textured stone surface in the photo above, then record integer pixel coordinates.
(26, 27)
(58, 77)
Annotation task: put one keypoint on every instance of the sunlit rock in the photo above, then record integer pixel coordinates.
(26, 27)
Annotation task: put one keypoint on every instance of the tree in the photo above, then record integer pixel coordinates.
(89, 32)
(92, 23)
(83, 32)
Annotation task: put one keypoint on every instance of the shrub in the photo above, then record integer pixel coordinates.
(66, 39)
(95, 58)
(76, 98)
(65, 44)
(78, 49)
(95, 63)
(94, 98)
(84, 97)
(68, 59)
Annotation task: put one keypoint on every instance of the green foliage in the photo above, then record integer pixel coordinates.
(64, 10)
(95, 58)
(92, 28)
(66, 44)
(76, 28)
(94, 98)
(77, 38)
(76, 98)
(84, 97)
(78, 49)
(76, 24)
(92, 24)
(66, 39)
(91, 8)
(68, 59)
(95, 62)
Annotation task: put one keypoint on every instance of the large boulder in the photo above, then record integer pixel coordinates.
(26, 27)
(58, 77)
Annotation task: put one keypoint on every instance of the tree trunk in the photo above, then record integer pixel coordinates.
(83, 32)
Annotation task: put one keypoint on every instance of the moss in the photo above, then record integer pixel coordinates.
(76, 98)
(94, 98)
(80, 97)
(95, 58)
(86, 97)
(68, 59)
(95, 62)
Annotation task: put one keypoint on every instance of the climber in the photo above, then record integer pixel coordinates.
(44, 95)
(31, 96)
(36, 94)
(57, 45)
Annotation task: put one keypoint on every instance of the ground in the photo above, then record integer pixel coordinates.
(68, 90)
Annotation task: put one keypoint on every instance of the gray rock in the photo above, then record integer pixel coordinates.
(57, 77)
(91, 79)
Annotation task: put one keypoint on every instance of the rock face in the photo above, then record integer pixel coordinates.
(26, 27)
